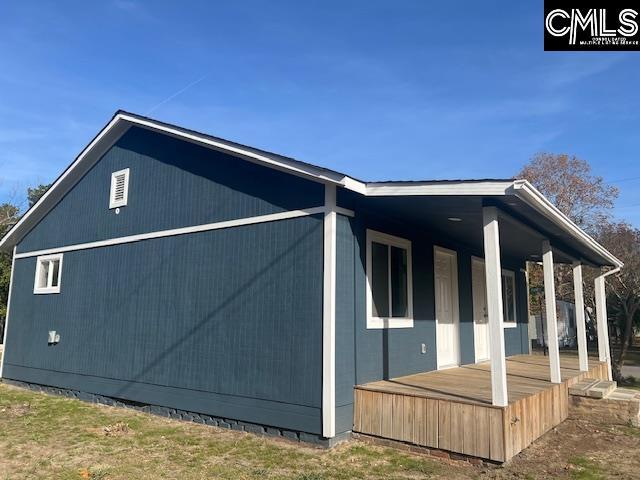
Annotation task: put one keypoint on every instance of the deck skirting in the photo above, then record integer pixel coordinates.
(467, 427)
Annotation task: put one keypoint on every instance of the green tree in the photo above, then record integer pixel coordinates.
(34, 193)
(9, 214)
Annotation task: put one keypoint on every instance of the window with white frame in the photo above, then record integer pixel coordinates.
(119, 192)
(389, 282)
(509, 298)
(48, 274)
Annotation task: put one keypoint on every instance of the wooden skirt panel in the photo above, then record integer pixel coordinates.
(495, 433)
(457, 427)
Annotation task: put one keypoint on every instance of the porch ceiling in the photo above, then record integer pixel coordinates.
(522, 229)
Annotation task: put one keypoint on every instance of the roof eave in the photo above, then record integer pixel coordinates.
(118, 125)
(520, 188)
(123, 120)
(76, 170)
(533, 197)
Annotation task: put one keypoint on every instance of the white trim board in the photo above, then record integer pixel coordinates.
(390, 321)
(490, 188)
(122, 121)
(254, 155)
(49, 288)
(80, 166)
(329, 314)
(533, 197)
(273, 217)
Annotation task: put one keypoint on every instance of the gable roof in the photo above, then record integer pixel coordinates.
(122, 121)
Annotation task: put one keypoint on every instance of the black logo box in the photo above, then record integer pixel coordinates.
(567, 31)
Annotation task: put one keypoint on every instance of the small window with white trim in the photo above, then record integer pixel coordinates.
(509, 298)
(119, 192)
(389, 282)
(48, 274)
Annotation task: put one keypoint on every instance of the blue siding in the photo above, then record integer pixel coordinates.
(217, 320)
(173, 184)
(387, 353)
(225, 322)
(391, 353)
(345, 324)
(465, 293)
(517, 339)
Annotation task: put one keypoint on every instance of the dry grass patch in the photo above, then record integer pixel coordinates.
(44, 437)
(70, 439)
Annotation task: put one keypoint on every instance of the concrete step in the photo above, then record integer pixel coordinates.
(592, 388)
(620, 407)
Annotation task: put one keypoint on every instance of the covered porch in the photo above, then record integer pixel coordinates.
(452, 409)
(472, 398)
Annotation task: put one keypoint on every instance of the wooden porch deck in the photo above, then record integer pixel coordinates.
(451, 409)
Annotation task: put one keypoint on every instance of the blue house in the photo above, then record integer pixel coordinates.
(216, 281)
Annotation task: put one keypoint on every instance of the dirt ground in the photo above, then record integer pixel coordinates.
(580, 448)
(44, 437)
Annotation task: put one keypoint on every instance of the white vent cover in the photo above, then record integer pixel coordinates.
(119, 188)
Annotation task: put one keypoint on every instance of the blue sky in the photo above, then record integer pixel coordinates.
(377, 89)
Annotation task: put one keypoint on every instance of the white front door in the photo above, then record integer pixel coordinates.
(480, 314)
(446, 290)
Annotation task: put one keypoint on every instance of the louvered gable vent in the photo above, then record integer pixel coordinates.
(119, 188)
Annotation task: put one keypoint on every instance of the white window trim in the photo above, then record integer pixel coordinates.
(514, 324)
(389, 322)
(119, 203)
(47, 290)
(510, 273)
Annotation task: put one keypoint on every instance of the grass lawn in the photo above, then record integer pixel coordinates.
(44, 437)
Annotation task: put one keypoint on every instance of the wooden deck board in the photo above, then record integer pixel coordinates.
(452, 410)
(526, 375)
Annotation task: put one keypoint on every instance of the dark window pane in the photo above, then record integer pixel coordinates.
(380, 279)
(56, 272)
(508, 297)
(399, 295)
(43, 277)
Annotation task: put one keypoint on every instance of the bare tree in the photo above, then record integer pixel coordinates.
(585, 198)
(623, 241)
(568, 182)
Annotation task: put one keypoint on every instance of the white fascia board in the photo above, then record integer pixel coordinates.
(116, 128)
(439, 189)
(527, 192)
(82, 164)
(279, 163)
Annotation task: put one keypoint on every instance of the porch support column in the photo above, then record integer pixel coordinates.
(580, 320)
(550, 303)
(601, 321)
(329, 315)
(493, 272)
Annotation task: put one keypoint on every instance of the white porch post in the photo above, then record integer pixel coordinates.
(550, 303)
(580, 320)
(493, 272)
(329, 315)
(601, 321)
